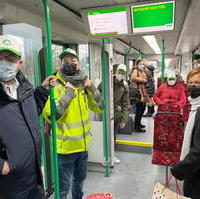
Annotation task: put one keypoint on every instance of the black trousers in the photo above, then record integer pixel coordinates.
(116, 128)
(140, 108)
(150, 110)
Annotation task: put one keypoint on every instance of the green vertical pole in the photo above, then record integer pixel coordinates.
(105, 64)
(141, 55)
(52, 100)
(163, 62)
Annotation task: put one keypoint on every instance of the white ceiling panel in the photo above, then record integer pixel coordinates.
(190, 35)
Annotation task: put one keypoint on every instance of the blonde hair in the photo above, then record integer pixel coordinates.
(193, 72)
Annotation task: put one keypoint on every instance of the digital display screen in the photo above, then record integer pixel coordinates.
(153, 17)
(108, 22)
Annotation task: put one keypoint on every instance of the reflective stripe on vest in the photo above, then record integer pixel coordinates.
(72, 125)
(71, 138)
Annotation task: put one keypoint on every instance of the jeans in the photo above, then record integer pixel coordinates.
(140, 108)
(72, 172)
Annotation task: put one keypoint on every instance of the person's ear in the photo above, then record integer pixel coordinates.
(60, 64)
(19, 64)
(78, 65)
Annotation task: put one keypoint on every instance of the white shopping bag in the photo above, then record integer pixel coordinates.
(162, 192)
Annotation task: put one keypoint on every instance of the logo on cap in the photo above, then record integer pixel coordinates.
(6, 42)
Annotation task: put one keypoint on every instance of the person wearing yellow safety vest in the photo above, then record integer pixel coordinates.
(75, 96)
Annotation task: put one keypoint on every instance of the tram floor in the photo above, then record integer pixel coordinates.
(134, 178)
(140, 137)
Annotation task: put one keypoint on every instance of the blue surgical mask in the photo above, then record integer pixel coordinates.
(8, 70)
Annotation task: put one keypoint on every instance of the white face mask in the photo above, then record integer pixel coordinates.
(171, 82)
(141, 67)
(8, 70)
(119, 77)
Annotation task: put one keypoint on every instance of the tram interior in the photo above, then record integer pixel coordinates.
(135, 176)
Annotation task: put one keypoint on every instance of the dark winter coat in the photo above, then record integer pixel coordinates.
(120, 100)
(189, 168)
(151, 81)
(20, 141)
(150, 87)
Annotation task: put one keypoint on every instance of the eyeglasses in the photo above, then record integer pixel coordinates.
(193, 83)
(10, 58)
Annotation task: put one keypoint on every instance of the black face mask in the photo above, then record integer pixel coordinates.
(194, 91)
(69, 68)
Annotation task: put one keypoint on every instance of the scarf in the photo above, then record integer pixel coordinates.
(76, 80)
(195, 103)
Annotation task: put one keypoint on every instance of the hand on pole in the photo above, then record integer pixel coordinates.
(49, 81)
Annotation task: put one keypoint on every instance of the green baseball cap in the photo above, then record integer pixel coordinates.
(68, 51)
(171, 75)
(122, 67)
(10, 44)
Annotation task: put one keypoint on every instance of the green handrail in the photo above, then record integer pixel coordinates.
(105, 65)
(52, 100)
(163, 62)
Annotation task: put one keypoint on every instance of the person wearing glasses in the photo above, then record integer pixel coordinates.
(20, 142)
(188, 169)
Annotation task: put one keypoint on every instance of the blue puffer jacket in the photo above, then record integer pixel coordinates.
(20, 141)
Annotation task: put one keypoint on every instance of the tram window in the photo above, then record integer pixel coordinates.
(186, 64)
(118, 59)
(56, 50)
(28, 58)
(84, 57)
(130, 65)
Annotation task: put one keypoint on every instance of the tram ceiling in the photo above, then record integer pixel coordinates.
(66, 26)
(66, 18)
(171, 38)
(190, 35)
(78, 5)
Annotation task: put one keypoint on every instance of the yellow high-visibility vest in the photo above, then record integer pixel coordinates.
(73, 128)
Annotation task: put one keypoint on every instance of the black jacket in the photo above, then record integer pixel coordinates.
(189, 168)
(150, 86)
(20, 140)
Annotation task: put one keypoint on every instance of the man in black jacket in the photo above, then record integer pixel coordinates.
(20, 142)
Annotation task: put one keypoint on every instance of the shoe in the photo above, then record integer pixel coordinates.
(116, 160)
(139, 130)
(142, 126)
